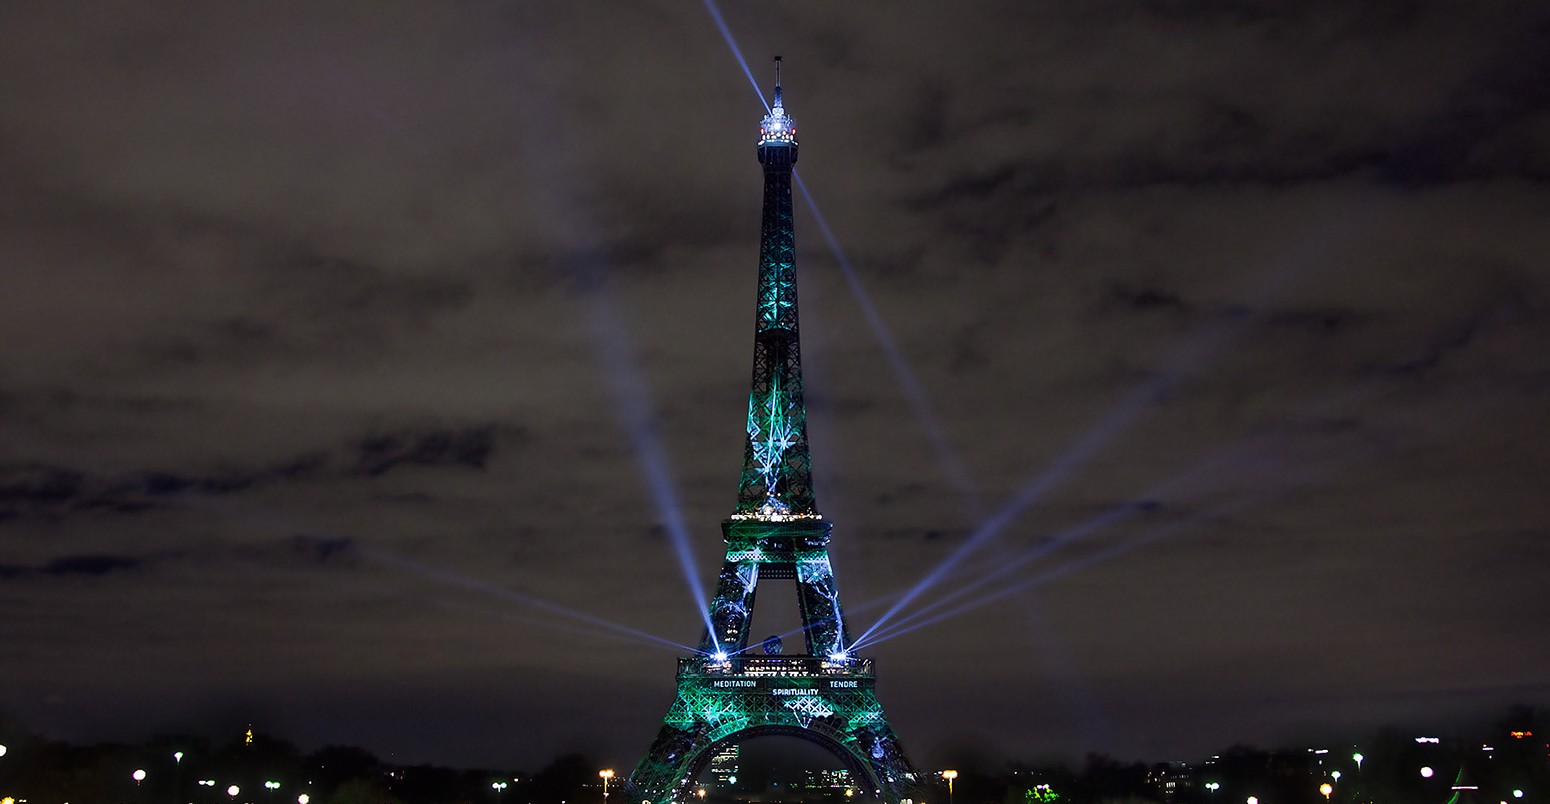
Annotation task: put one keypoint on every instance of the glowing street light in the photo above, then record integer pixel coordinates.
(271, 786)
(1213, 787)
(499, 788)
(2, 749)
(1358, 759)
(1335, 775)
(605, 775)
(138, 776)
(1253, 799)
(233, 791)
(949, 775)
(701, 793)
(1426, 772)
(1326, 788)
(303, 799)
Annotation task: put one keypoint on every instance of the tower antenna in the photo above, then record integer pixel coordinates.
(777, 81)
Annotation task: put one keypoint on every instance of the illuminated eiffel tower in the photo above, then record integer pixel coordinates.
(726, 694)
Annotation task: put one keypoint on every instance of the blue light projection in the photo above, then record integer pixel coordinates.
(631, 393)
(957, 471)
(1113, 551)
(726, 33)
(1236, 459)
(462, 581)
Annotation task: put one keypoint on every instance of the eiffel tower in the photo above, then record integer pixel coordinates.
(727, 693)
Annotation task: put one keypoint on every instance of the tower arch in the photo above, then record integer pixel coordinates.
(860, 771)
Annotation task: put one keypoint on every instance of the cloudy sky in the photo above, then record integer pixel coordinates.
(358, 359)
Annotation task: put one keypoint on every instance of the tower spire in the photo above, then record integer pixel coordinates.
(777, 478)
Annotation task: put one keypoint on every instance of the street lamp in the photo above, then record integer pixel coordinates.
(499, 788)
(233, 791)
(949, 775)
(1335, 775)
(1326, 788)
(1253, 799)
(605, 775)
(1426, 772)
(701, 793)
(303, 799)
(1213, 787)
(2, 750)
(139, 776)
(1358, 759)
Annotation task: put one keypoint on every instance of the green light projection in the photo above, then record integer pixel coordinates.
(772, 429)
(825, 695)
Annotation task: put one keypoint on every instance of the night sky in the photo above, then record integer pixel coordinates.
(359, 362)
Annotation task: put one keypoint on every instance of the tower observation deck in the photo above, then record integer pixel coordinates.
(727, 693)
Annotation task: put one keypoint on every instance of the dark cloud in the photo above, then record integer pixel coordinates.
(88, 566)
(348, 326)
(383, 453)
(51, 492)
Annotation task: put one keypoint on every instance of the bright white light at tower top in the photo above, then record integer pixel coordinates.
(778, 128)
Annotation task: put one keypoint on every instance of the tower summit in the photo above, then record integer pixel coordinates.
(727, 693)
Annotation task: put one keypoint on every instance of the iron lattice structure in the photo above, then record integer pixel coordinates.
(826, 694)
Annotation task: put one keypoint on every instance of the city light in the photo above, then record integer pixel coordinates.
(1326, 788)
(2, 750)
(605, 775)
(303, 799)
(949, 775)
(139, 775)
(233, 791)
(1426, 772)
(1357, 758)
